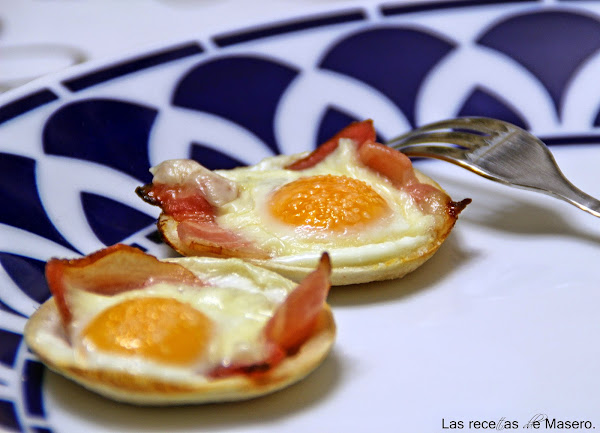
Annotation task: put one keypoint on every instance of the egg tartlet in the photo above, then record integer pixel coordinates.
(177, 331)
(359, 200)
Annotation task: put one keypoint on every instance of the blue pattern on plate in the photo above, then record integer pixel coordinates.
(333, 121)
(212, 158)
(483, 103)
(398, 76)
(132, 65)
(109, 132)
(245, 87)
(111, 220)
(534, 40)
(26, 103)
(8, 349)
(32, 376)
(288, 27)
(8, 416)
(7, 309)
(28, 274)
(390, 10)
(19, 189)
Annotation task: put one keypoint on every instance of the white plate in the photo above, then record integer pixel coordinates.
(500, 324)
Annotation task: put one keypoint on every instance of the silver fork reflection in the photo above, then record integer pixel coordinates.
(496, 150)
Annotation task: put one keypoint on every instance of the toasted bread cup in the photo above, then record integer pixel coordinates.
(362, 202)
(397, 264)
(57, 345)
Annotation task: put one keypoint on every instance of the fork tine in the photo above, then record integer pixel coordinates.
(451, 154)
(463, 139)
(479, 124)
(506, 154)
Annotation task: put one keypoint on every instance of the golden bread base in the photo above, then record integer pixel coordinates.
(126, 387)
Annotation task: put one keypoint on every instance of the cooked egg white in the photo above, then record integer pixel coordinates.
(401, 228)
(238, 302)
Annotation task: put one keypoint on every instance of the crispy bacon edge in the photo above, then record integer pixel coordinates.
(388, 162)
(197, 232)
(293, 322)
(110, 271)
(360, 132)
(196, 227)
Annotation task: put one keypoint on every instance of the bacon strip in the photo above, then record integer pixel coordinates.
(110, 271)
(397, 167)
(295, 319)
(293, 323)
(178, 201)
(383, 159)
(359, 132)
(197, 229)
(388, 162)
(216, 189)
(208, 237)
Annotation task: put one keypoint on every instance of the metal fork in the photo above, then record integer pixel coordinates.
(498, 151)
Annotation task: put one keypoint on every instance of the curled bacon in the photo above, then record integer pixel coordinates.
(209, 238)
(295, 319)
(178, 201)
(197, 229)
(388, 162)
(120, 268)
(293, 322)
(359, 132)
(110, 271)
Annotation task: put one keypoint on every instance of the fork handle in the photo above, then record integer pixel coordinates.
(571, 194)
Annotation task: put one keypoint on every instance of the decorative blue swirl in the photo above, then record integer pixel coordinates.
(243, 89)
(22, 207)
(28, 274)
(111, 220)
(551, 44)
(483, 103)
(105, 131)
(393, 60)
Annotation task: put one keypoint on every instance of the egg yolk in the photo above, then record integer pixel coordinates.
(158, 329)
(327, 202)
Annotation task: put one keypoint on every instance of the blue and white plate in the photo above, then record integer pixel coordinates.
(501, 325)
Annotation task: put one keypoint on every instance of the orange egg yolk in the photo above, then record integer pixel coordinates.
(158, 329)
(327, 202)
